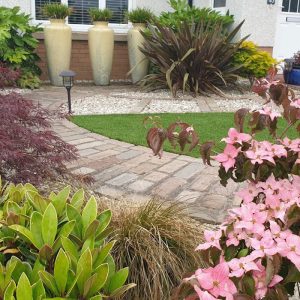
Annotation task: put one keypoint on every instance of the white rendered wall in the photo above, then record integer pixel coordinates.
(157, 6)
(260, 19)
(24, 4)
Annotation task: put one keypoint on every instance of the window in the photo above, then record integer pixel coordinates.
(119, 8)
(80, 16)
(219, 3)
(39, 8)
(80, 13)
(292, 6)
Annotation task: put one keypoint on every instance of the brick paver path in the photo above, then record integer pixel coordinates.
(124, 170)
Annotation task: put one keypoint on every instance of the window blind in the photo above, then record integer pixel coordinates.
(119, 8)
(219, 3)
(292, 6)
(80, 14)
(39, 8)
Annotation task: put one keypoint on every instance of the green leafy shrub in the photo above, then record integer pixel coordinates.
(17, 44)
(140, 15)
(255, 63)
(193, 58)
(29, 81)
(184, 13)
(56, 11)
(157, 240)
(56, 246)
(100, 14)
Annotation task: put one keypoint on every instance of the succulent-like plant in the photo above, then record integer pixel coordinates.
(56, 11)
(98, 15)
(296, 57)
(140, 15)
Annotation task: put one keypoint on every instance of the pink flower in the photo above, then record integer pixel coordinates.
(277, 232)
(249, 193)
(203, 295)
(251, 218)
(212, 240)
(216, 281)
(227, 158)
(278, 150)
(267, 110)
(241, 266)
(290, 248)
(260, 281)
(264, 246)
(293, 145)
(236, 137)
(296, 103)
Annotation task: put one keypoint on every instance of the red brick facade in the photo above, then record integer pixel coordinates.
(80, 61)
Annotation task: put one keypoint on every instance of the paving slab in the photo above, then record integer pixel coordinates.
(122, 170)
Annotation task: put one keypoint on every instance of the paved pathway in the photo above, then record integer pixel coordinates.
(124, 170)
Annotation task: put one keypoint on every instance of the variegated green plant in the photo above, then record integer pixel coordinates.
(62, 240)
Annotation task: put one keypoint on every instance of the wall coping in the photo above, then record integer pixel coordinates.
(83, 36)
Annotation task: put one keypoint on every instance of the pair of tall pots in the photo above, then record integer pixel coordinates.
(58, 42)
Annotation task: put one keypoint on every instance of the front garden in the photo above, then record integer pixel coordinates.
(86, 214)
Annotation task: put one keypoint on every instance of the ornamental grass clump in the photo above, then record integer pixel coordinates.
(140, 15)
(194, 58)
(56, 11)
(156, 240)
(254, 255)
(100, 15)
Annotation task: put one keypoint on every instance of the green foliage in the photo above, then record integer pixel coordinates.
(55, 247)
(56, 11)
(255, 63)
(97, 14)
(17, 44)
(184, 13)
(140, 15)
(29, 81)
(193, 58)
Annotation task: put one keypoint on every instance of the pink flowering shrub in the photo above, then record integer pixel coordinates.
(255, 253)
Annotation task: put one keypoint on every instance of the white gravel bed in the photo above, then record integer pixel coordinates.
(167, 106)
(100, 105)
(123, 102)
(7, 91)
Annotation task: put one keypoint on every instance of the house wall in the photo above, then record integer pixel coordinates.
(24, 4)
(260, 20)
(157, 6)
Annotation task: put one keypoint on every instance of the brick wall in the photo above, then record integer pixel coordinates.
(80, 61)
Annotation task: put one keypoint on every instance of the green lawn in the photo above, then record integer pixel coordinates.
(129, 128)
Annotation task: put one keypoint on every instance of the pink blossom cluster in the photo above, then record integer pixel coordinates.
(260, 226)
(257, 152)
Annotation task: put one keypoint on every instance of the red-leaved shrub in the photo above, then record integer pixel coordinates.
(29, 150)
(8, 76)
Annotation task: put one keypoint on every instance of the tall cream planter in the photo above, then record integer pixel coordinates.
(58, 42)
(101, 47)
(137, 60)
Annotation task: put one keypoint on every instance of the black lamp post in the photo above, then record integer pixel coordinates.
(68, 81)
(190, 3)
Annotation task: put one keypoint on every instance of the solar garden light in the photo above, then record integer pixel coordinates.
(288, 67)
(68, 81)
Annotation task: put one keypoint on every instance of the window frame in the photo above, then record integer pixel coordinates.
(290, 12)
(219, 7)
(118, 28)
